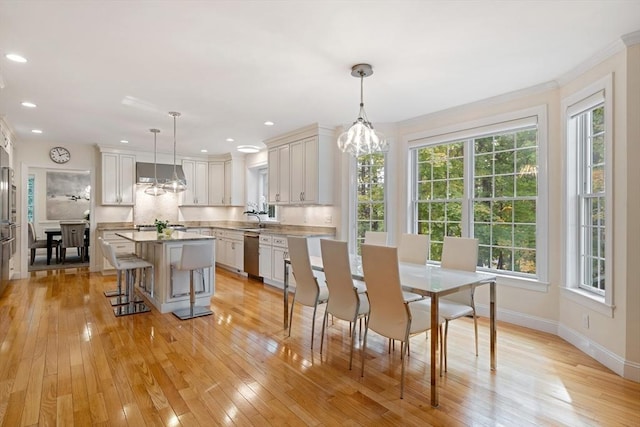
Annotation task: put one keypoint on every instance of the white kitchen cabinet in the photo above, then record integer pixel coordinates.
(279, 166)
(216, 183)
(234, 181)
(197, 176)
(273, 252)
(226, 181)
(265, 258)
(118, 179)
(230, 249)
(301, 166)
(307, 184)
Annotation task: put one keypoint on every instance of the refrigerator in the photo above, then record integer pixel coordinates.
(7, 218)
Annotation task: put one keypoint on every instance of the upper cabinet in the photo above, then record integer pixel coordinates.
(279, 174)
(227, 181)
(216, 183)
(197, 175)
(118, 179)
(301, 167)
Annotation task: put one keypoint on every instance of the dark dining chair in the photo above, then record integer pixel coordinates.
(35, 243)
(72, 237)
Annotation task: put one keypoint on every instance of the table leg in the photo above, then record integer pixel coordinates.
(492, 323)
(285, 297)
(49, 242)
(434, 350)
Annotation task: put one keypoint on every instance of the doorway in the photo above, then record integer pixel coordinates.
(55, 196)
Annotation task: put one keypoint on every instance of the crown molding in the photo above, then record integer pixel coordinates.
(631, 38)
(617, 46)
(483, 103)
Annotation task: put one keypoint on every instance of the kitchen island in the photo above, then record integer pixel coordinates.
(169, 290)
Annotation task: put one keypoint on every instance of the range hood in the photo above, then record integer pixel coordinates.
(145, 173)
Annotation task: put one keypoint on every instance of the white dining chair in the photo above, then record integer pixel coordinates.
(413, 248)
(308, 291)
(347, 298)
(389, 314)
(458, 253)
(376, 238)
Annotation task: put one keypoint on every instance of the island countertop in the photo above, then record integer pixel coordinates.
(153, 237)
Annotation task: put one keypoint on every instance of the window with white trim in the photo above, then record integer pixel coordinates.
(588, 248)
(483, 182)
(370, 212)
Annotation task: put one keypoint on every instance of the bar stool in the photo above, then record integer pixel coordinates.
(194, 257)
(127, 265)
(118, 296)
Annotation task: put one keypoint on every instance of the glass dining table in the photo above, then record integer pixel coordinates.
(429, 281)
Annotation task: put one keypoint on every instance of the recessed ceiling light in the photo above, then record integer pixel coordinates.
(124, 141)
(36, 131)
(248, 149)
(28, 104)
(203, 151)
(15, 58)
(230, 139)
(268, 123)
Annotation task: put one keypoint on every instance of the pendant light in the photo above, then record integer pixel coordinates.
(154, 189)
(360, 138)
(176, 185)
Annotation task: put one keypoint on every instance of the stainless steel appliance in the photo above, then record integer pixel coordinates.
(7, 218)
(252, 253)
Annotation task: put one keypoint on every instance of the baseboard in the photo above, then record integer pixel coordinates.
(625, 368)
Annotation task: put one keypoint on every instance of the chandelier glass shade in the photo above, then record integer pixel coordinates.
(176, 185)
(361, 138)
(154, 189)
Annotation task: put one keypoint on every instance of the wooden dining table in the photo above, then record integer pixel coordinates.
(430, 281)
(53, 232)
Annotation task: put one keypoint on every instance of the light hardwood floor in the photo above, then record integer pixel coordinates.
(66, 360)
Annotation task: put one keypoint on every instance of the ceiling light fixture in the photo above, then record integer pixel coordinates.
(360, 138)
(230, 139)
(154, 189)
(248, 149)
(36, 131)
(28, 104)
(269, 123)
(176, 185)
(15, 57)
(124, 141)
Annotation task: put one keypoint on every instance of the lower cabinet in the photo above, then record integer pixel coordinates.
(230, 249)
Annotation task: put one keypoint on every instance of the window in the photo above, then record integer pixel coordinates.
(370, 195)
(31, 198)
(591, 198)
(483, 182)
(263, 193)
(588, 249)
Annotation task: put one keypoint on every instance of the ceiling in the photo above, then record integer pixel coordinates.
(104, 71)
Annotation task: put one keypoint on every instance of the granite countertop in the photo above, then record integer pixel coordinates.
(153, 237)
(269, 228)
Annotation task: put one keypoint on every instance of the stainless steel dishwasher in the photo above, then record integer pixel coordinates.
(252, 254)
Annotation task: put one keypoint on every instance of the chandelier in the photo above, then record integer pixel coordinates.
(154, 189)
(361, 138)
(176, 185)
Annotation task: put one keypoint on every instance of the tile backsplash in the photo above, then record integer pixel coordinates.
(148, 208)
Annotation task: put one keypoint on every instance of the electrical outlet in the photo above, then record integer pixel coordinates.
(585, 321)
(328, 219)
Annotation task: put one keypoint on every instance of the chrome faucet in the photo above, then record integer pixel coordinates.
(260, 225)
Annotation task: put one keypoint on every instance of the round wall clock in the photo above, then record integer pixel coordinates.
(59, 155)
